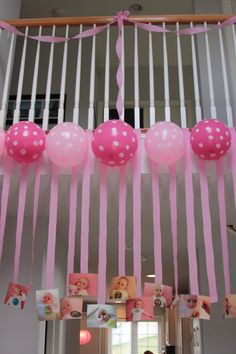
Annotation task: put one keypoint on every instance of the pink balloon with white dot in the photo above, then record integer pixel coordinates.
(210, 139)
(25, 142)
(114, 142)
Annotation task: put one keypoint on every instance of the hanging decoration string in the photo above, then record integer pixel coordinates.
(72, 222)
(156, 217)
(102, 263)
(84, 254)
(20, 220)
(173, 216)
(52, 229)
(207, 232)
(190, 219)
(122, 220)
(223, 225)
(137, 216)
(4, 199)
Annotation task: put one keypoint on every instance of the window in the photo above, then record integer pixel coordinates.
(136, 337)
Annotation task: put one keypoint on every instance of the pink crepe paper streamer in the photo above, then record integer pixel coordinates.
(137, 215)
(20, 220)
(223, 225)
(190, 219)
(173, 215)
(84, 254)
(207, 232)
(102, 263)
(233, 161)
(52, 228)
(156, 224)
(122, 220)
(4, 200)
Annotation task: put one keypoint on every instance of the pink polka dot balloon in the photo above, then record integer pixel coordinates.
(210, 139)
(114, 142)
(67, 144)
(164, 143)
(25, 142)
(2, 141)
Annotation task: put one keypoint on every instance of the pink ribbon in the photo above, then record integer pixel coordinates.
(223, 225)
(190, 219)
(137, 215)
(84, 238)
(173, 214)
(156, 224)
(102, 263)
(20, 220)
(207, 232)
(122, 220)
(233, 161)
(4, 199)
(52, 228)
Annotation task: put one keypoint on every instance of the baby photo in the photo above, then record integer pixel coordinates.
(16, 295)
(83, 284)
(161, 294)
(102, 316)
(229, 306)
(48, 304)
(123, 288)
(194, 306)
(140, 309)
(71, 308)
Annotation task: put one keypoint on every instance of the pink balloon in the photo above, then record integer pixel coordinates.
(67, 144)
(210, 139)
(114, 142)
(164, 143)
(2, 141)
(25, 142)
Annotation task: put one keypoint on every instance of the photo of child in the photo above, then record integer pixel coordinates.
(82, 284)
(194, 306)
(71, 308)
(16, 295)
(161, 294)
(140, 309)
(48, 304)
(123, 288)
(229, 306)
(103, 316)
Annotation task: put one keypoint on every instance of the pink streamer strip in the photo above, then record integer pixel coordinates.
(4, 200)
(102, 263)
(119, 74)
(207, 232)
(223, 225)
(233, 161)
(20, 220)
(72, 221)
(156, 224)
(173, 214)
(52, 228)
(122, 220)
(35, 216)
(191, 236)
(84, 255)
(137, 215)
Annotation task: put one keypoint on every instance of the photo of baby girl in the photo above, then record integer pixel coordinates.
(103, 316)
(71, 308)
(48, 304)
(161, 294)
(123, 288)
(83, 284)
(140, 309)
(16, 295)
(229, 306)
(194, 306)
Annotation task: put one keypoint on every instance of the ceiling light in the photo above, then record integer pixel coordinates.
(136, 7)
(150, 276)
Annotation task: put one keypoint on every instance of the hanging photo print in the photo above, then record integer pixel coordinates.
(102, 316)
(161, 294)
(140, 309)
(16, 295)
(123, 288)
(229, 306)
(71, 308)
(194, 306)
(48, 304)
(83, 284)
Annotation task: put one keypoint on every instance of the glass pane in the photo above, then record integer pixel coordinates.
(148, 337)
(121, 338)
